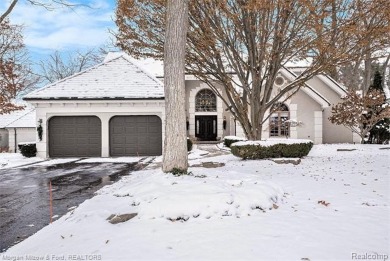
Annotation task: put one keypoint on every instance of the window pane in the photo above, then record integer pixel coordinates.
(205, 100)
(278, 124)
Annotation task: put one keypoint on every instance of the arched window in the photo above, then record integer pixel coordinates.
(205, 100)
(279, 126)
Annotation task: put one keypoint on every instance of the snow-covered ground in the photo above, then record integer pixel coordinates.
(334, 205)
(10, 160)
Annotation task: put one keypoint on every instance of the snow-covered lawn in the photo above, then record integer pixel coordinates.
(10, 160)
(334, 205)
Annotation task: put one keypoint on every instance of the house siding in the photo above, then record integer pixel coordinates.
(307, 110)
(3, 140)
(22, 135)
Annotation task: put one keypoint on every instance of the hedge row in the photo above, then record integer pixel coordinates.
(255, 151)
(229, 140)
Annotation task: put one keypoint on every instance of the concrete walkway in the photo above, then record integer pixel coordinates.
(213, 149)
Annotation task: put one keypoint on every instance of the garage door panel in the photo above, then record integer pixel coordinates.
(138, 132)
(75, 136)
(153, 129)
(141, 119)
(142, 129)
(130, 129)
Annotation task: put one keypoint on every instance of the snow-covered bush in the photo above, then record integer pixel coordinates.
(289, 148)
(28, 149)
(229, 140)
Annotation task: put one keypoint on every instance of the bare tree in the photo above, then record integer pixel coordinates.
(47, 4)
(59, 66)
(242, 46)
(371, 34)
(16, 77)
(385, 80)
(360, 113)
(175, 154)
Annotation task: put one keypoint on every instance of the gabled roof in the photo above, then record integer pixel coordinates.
(18, 119)
(339, 89)
(307, 89)
(329, 81)
(117, 78)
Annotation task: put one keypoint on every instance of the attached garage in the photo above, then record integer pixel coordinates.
(112, 109)
(135, 136)
(75, 136)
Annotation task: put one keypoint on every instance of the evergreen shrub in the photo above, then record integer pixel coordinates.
(28, 150)
(256, 151)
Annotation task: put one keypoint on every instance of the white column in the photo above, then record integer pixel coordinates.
(11, 140)
(105, 134)
(317, 127)
(42, 146)
(191, 112)
(293, 115)
(219, 117)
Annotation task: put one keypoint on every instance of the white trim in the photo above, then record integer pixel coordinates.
(317, 127)
(293, 115)
(192, 113)
(315, 97)
(308, 89)
(337, 88)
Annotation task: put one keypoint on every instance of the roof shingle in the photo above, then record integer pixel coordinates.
(117, 78)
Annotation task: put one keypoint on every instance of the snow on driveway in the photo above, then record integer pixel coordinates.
(10, 160)
(334, 205)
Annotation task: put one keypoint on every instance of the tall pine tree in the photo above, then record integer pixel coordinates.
(380, 133)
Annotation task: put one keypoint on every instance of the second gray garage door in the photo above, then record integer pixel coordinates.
(75, 136)
(135, 136)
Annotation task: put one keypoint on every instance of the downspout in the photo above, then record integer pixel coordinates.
(15, 136)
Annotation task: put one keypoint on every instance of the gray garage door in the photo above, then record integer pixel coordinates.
(75, 136)
(135, 136)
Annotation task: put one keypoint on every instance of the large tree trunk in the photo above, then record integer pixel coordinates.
(175, 144)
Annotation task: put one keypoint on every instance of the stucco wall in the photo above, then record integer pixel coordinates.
(308, 112)
(105, 110)
(22, 135)
(332, 96)
(331, 133)
(336, 133)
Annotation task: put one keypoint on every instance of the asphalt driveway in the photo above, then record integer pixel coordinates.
(24, 194)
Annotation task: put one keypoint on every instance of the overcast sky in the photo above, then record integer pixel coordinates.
(63, 29)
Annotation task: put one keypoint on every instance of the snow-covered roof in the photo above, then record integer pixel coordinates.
(150, 65)
(18, 119)
(118, 77)
(25, 121)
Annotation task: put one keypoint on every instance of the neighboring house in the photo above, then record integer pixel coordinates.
(117, 108)
(17, 127)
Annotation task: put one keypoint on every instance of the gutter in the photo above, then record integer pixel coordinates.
(90, 99)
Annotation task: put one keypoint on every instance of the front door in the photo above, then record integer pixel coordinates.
(206, 127)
